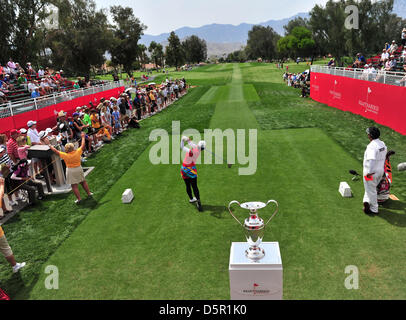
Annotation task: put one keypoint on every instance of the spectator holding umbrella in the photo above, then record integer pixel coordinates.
(74, 170)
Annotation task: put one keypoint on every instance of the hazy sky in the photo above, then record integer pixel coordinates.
(166, 15)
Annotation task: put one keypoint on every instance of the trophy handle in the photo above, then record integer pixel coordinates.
(229, 209)
(276, 211)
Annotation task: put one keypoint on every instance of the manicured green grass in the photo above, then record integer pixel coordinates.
(160, 247)
(35, 233)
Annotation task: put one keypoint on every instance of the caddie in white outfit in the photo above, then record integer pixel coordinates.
(374, 163)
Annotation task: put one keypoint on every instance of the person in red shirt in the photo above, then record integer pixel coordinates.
(57, 76)
(12, 147)
(189, 170)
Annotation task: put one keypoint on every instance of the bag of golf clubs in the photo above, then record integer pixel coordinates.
(383, 188)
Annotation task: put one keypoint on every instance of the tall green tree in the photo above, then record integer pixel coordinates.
(142, 54)
(157, 53)
(82, 39)
(298, 42)
(127, 30)
(377, 25)
(237, 56)
(297, 22)
(21, 25)
(195, 49)
(328, 26)
(7, 14)
(262, 43)
(174, 53)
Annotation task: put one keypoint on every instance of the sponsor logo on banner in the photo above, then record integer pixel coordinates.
(369, 107)
(315, 87)
(335, 94)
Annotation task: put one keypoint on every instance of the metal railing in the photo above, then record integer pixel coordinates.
(381, 76)
(13, 108)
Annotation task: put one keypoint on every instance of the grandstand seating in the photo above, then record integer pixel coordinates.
(21, 92)
(399, 66)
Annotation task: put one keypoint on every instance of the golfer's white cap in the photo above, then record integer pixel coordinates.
(202, 145)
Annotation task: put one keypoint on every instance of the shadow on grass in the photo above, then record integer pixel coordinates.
(393, 212)
(215, 211)
(15, 286)
(91, 204)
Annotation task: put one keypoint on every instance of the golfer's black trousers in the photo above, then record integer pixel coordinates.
(192, 183)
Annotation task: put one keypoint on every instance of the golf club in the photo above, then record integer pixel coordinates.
(218, 157)
(355, 174)
(212, 153)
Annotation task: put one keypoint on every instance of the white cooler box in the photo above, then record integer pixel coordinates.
(127, 196)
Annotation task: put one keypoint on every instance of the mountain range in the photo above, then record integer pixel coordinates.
(221, 33)
(225, 38)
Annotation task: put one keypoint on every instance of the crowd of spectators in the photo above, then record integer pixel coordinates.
(17, 82)
(392, 58)
(94, 124)
(299, 80)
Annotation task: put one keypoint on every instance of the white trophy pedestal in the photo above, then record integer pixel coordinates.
(260, 280)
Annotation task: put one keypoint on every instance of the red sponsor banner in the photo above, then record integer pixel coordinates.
(385, 104)
(46, 117)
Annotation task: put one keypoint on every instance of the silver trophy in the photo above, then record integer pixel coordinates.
(254, 227)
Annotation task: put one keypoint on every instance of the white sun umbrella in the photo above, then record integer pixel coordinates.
(152, 84)
(130, 90)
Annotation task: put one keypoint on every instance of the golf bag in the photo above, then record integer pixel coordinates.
(3, 295)
(383, 188)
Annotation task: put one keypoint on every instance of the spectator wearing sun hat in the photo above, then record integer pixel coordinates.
(22, 147)
(63, 127)
(393, 47)
(43, 135)
(32, 132)
(23, 132)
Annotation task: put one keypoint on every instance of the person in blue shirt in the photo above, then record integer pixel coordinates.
(361, 58)
(35, 93)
